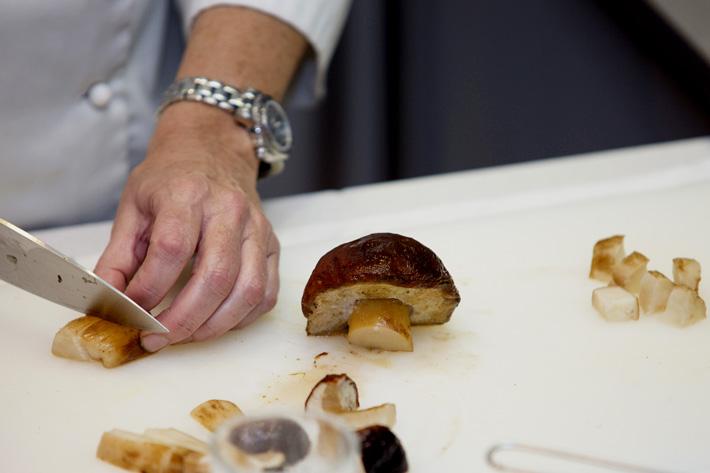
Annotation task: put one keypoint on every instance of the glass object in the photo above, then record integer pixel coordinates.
(285, 442)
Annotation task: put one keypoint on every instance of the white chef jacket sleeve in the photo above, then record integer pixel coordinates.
(320, 21)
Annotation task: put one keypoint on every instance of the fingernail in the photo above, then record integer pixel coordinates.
(154, 342)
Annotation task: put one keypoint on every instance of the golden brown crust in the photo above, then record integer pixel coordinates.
(210, 414)
(378, 258)
(92, 338)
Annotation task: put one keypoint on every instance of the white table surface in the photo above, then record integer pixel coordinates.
(525, 357)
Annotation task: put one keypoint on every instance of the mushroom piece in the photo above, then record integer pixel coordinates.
(337, 395)
(403, 282)
(213, 412)
(91, 338)
(334, 393)
(655, 289)
(607, 253)
(684, 307)
(383, 414)
(381, 451)
(629, 271)
(155, 453)
(686, 272)
(615, 304)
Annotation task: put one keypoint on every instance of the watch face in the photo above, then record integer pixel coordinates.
(276, 122)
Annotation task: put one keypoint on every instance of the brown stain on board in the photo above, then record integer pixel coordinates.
(438, 351)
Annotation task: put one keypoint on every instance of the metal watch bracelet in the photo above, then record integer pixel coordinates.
(243, 105)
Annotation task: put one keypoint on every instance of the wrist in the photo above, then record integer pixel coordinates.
(192, 121)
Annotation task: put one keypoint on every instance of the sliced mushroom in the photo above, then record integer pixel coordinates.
(140, 453)
(337, 395)
(213, 412)
(333, 393)
(606, 255)
(400, 273)
(686, 272)
(176, 438)
(615, 304)
(91, 338)
(384, 414)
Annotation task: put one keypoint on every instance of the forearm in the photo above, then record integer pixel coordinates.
(244, 48)
(240, 47)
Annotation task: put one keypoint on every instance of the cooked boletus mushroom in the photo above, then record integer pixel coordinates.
(374, 288)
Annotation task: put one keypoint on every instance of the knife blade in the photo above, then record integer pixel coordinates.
(32, 265)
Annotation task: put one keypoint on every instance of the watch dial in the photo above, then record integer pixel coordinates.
(278, 126)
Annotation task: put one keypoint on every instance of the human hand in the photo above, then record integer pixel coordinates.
(194, 195)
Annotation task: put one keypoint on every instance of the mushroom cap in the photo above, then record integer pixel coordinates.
(378, 266)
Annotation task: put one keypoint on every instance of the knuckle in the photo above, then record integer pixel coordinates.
(171, 247)
(262, 224)
(219, 282)
(254, 292)
(270, 301)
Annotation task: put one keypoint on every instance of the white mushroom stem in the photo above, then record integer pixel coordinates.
(382, 324)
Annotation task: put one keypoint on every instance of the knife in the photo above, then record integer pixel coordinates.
(34, 266)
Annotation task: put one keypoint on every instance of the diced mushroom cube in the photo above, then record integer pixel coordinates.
(607, 254)
(629, 271)
(615, 304)
(684, 307)
(655, 289)
(686, 272)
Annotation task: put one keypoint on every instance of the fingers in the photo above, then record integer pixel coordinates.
(213, 279)
(125, 250)
(254, 291)
(172, 243)
(272, 288)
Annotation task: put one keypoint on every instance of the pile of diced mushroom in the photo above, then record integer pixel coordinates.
(633, 289)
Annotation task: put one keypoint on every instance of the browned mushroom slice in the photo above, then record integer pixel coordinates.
(91, 338)
(333, 393)
(140, 453)
(393, 269)
(213, 412)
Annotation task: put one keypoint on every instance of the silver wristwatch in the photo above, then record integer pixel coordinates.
(260, 114)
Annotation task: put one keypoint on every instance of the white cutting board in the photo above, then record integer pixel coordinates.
(525, 357)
